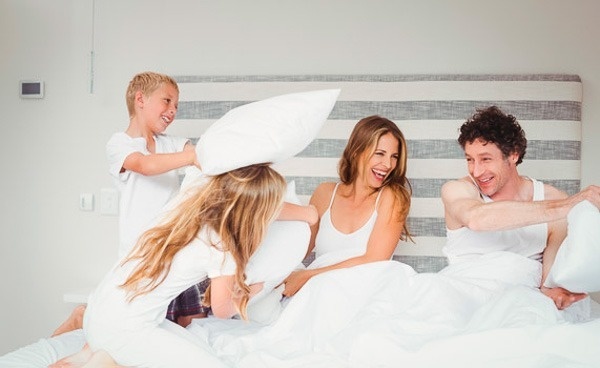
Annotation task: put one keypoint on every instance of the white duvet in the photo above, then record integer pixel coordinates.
(487, 313)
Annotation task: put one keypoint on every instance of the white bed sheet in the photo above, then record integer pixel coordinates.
(488, 314)
(45, 351)
(386, 315)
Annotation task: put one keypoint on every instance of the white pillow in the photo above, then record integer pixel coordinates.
(282, 251)
(193, 176)
(577, 264)
(270, 130)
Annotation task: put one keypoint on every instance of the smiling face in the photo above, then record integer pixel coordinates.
(489, 168)
(158, 109)
(381, 162)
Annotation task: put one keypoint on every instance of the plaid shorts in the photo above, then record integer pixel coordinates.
(189, 302)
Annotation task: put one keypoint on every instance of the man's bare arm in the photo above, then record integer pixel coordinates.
(464, 208)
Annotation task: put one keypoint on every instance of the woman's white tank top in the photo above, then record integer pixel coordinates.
(329, 239)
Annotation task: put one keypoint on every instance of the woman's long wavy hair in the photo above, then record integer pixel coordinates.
(238, 206)
(362, 145)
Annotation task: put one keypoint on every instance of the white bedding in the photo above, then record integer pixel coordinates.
(483, 314)
(486, 314)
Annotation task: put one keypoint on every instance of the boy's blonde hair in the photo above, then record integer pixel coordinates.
(238, 206)
(146, 82)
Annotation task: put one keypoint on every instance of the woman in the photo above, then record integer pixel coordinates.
(362, 217)
(211, 233)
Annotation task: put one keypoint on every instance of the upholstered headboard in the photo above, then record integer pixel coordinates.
(429, 110)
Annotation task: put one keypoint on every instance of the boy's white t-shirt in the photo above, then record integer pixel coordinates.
(142, 197)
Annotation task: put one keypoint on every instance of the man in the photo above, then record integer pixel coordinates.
(525, 216)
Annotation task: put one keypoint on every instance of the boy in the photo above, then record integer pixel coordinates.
(143, 162)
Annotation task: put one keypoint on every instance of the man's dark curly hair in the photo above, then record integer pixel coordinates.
(493, 126)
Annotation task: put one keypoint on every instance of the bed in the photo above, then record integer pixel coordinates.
(429, 109)
(415, 310)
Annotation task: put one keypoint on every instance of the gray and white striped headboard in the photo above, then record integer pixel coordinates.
(429, 110)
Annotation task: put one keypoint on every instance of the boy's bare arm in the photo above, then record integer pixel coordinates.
(159, 163)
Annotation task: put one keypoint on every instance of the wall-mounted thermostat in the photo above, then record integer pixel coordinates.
(31, 89)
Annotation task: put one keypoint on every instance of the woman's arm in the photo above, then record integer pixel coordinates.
(381, 245)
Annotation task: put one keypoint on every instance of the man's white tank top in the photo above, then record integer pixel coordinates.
(329, 239)
(528, 241)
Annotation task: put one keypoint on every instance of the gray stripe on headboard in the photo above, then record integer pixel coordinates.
(427, 226)
(424, 148)
(421, 110)
(421, 188)
(406, 110)
(423, 264)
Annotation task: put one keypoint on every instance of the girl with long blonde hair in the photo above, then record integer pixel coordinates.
(211, 233)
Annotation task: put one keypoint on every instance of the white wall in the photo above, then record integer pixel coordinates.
(53, 149)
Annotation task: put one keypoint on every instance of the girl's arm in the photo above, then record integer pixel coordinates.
(223, 302)
(296, 212)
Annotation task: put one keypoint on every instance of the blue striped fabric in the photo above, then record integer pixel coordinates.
(429, 110)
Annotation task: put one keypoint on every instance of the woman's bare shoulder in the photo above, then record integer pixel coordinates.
(322, 194)
(387, 194)
(325, 188)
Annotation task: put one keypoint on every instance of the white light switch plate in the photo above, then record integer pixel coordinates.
(109, 201)
(86, 202)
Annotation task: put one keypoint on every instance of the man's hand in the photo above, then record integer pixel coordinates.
(563, 298)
